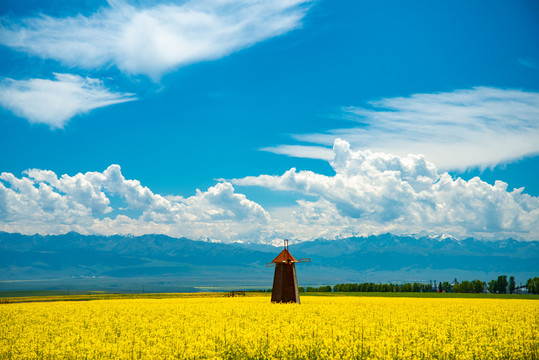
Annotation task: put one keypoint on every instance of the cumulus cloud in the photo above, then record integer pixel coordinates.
(370, 193)
(40, 201)
(153, 40)
(479, 127)
(374, 192)
(55, 102)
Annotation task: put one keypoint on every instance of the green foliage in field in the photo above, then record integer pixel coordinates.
(430, 295)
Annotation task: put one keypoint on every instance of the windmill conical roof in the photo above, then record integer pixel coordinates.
(284, 256)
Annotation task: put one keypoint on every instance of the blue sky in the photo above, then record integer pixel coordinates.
(226, 97)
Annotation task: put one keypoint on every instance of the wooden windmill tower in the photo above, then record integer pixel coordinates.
(285, 282)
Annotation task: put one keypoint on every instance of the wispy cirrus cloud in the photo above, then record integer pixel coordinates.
(308, 152)
(478, 127)
(55, 102)
(528, 62)
(153, 40)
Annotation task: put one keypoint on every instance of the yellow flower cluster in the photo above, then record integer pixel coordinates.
(331, 327)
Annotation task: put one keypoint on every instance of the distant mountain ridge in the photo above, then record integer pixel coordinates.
(160, 258)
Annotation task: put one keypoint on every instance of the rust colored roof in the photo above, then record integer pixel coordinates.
(284, 256)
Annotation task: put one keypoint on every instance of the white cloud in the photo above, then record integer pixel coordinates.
(370, 193)
(376, 192)
(54, 102)
(153, 40)
(309, 152)
(480, 127)
(42, 202)
(220, 202)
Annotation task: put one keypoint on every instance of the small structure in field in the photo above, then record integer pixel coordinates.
(285, 282)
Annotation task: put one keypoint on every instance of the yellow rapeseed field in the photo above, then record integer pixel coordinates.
(252, 328)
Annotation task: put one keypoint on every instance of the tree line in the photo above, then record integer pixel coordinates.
(533, 285)
(501, 285)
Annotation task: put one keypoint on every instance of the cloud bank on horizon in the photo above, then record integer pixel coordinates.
(42, 202)
(138, 40)
(466, 128)
(371, 193)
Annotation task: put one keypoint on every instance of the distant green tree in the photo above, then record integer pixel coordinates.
(533, 285)
(326, 288)
(446, 287)
(475, 286)
(512, 285)
(407, 287)
(492, 287)
(463, 287)
(502, 284)
(478, 286)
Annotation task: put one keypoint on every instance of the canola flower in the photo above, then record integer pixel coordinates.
(253, 328)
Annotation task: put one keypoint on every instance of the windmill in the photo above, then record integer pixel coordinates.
(285, 282)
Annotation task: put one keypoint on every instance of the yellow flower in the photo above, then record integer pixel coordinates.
(253, 328)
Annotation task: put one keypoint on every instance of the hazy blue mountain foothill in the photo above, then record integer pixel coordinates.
(162, 263)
